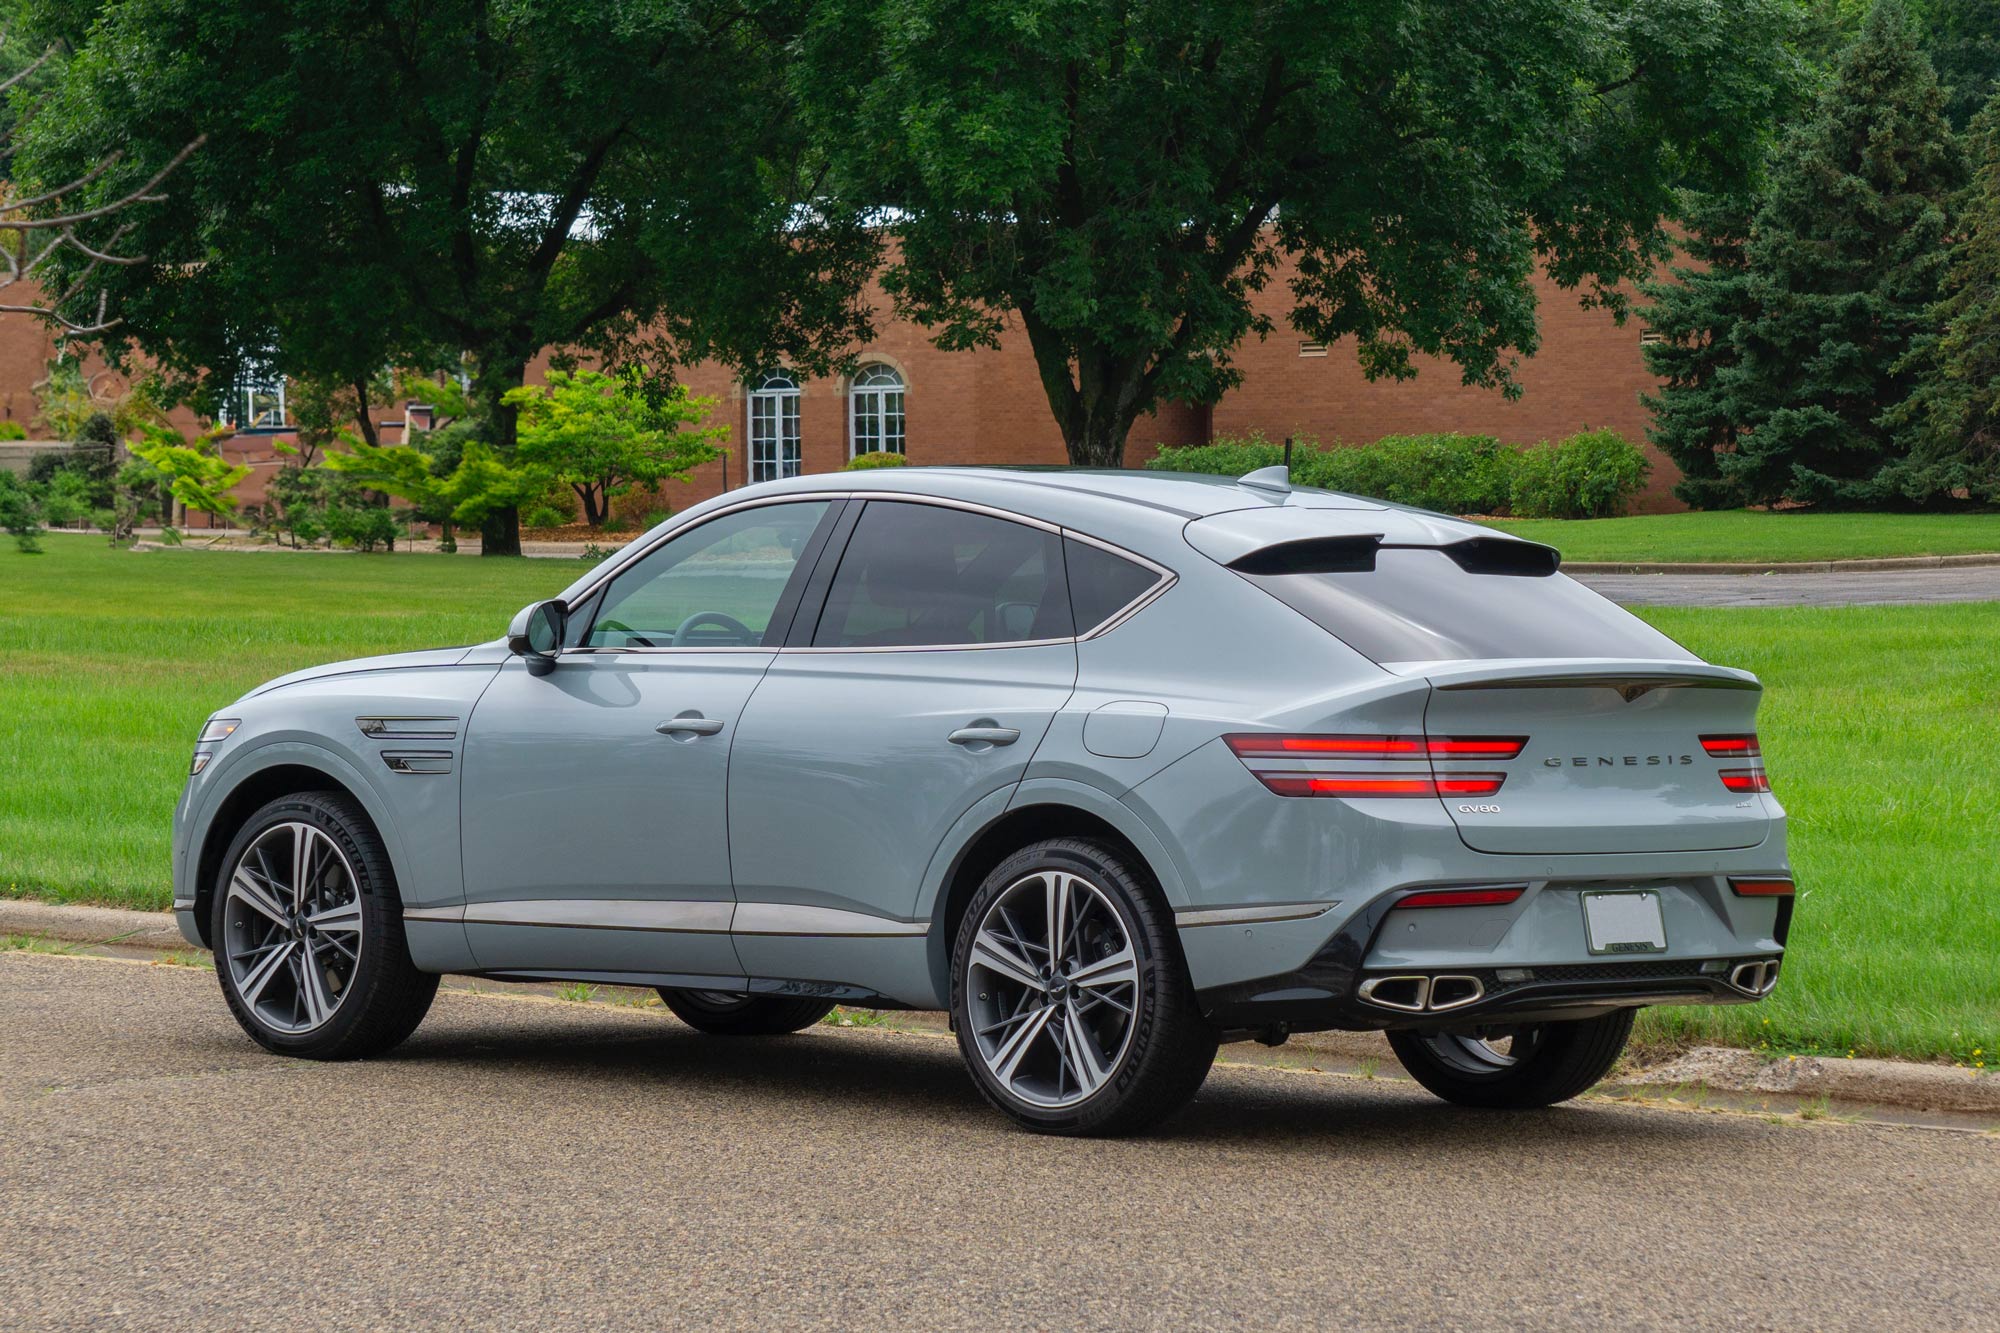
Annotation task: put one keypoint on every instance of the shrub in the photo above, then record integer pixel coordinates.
(544, 515)
(1457, 474)
(21, 512)
(363, 526)
(880, 458)
(12, 430)
(1592, 474)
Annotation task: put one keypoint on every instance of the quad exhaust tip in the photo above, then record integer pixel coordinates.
(1758, 978)
(1419, 994)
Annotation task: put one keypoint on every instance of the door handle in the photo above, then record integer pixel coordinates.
(690, 724)
(984, 735)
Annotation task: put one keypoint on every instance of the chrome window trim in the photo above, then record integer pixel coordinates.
(1243, 916)
(633, 554)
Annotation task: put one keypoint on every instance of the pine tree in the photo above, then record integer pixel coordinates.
(1694, 312)
(1951, 423)
(1844, 261)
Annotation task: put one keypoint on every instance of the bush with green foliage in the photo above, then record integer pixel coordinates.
(1592, 474)
(12, 430)
(21, 511)
(878, 458)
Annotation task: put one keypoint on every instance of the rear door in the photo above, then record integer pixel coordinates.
(942, 653)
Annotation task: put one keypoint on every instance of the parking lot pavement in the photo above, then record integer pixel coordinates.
(529, 1163)
(1880, 587)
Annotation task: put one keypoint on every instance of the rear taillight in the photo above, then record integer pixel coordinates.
(1762, 887)
(1382, 784)
(1461, 898)
(1739, 745)
(1263, 745)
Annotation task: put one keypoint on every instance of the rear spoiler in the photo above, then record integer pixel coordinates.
(1305, 540)
(1356, 555)
(1630, 678)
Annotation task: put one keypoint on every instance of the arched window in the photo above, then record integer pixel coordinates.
(774, 428)
(875, 412)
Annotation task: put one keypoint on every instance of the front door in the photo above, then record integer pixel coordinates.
(943, 651)
(593, 807)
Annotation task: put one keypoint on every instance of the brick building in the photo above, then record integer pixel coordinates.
(987, 406)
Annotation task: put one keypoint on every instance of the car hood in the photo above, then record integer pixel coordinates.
(428, 657)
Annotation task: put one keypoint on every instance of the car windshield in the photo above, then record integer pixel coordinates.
(1418, 605)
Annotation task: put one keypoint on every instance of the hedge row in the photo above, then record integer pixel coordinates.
(1592, 474)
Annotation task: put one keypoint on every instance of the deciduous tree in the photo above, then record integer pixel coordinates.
(1119, 178)
(604, 435)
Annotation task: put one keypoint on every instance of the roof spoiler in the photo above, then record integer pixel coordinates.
(1355, 554)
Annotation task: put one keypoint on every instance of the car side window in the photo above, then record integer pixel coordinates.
(1102, 584)
(717, 586)
(919, 575)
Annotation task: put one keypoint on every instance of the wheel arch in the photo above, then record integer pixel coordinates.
(1042, 815)
(281, 775)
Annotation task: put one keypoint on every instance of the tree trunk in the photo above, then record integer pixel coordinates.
(593, 513)
(1095, 396)
(500, 531)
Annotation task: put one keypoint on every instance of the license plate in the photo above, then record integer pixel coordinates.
(1624, 922)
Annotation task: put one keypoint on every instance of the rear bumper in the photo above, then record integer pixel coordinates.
(1339, 986)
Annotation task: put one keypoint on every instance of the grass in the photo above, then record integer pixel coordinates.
(1750, 535)
(1878, 725)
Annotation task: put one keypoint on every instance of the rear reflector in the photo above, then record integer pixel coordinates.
(1744, 781)
(1461, 898)
(1382, 784)
(1263, 745)
(1762, 888)
(1743, 746)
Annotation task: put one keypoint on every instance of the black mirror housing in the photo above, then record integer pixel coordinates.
(536, 634)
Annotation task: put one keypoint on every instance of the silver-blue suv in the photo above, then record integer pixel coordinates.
(1114, 767)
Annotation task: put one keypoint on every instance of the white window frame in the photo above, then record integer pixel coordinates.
(869, 401)
(774, 428)
(260, 380)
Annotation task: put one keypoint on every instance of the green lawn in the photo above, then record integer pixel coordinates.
(1879, 727)
(1748, 535)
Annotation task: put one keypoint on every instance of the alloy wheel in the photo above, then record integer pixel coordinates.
(1053, 988)
(1485, 1050)
(292, 924)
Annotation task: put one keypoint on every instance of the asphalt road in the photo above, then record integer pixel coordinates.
(534, 1164)
(1876, 587)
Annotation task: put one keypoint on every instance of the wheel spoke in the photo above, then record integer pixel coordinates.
(1120, 969)
(244, 888)
(1007, 1059)
(1080, 1053)
(312, 989)
(997, 955)
(251, 987)
(1057, 891)
(345, 918)
(305, 863)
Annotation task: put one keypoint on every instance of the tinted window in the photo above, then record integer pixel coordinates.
(1419, 606)
(1101, 584)
(917, 575)
(717, 586)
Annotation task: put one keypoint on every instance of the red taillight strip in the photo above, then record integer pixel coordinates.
(1263, 745)
(1739, 746)
(1382, 784)
(1745, 781)
(1461, 898)
(1762, 888)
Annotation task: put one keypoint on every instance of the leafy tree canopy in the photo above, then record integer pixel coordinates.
(603, 435)
(1121, 177)
(402, 183)
(196, 473)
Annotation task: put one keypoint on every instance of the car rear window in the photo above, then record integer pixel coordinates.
(1419, 605)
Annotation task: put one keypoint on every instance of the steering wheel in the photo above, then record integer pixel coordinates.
(701, 618)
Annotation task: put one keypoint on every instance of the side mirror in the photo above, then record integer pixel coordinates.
(537, 635)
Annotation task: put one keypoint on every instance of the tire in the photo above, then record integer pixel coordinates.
(721, 1014)
(1108, 1038)
(365, 995)
(1561, 1060)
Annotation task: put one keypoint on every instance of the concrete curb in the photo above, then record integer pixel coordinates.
(1895, 1083)
(1782, 567)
